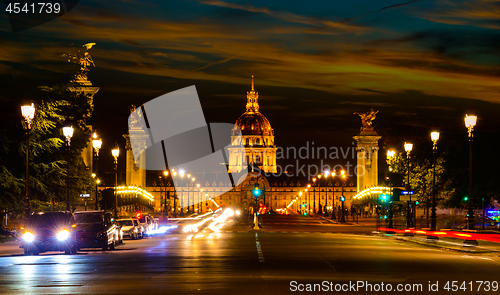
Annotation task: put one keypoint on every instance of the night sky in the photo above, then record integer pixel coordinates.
(423, 64)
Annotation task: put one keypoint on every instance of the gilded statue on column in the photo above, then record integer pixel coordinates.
(82, 60)
(367, 119)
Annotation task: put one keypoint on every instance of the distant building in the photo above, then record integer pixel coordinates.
(260, 154)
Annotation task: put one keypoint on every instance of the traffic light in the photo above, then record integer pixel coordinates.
(342, 199)
(256, 190)
(417, 202)
(466, 198)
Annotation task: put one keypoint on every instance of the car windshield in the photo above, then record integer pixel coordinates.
(88, 218)
(52, 220)
(125, 222)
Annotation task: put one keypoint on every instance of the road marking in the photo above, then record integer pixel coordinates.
(259, 248)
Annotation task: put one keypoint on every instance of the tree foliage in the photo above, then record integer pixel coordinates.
(422, 177)
(47, 152)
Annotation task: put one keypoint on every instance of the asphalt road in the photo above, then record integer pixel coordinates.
(287, 254)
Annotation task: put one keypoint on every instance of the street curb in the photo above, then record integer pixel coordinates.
(470, 251)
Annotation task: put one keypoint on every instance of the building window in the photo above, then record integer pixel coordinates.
(257, 141)
(247, 141)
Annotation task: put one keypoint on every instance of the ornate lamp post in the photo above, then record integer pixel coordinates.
(206, 201)
(165, 207)
(200, 201)
(174, 174)
(320, 209)
(333, 197)
(192, 184)
(326, 173)
(188, 185)
(434, 138)
(390, 156)
(314, 195)
(199, 197)
(97, 182)
(96, 143)
(342, 198)
(68, 133)
(181, 173)
(299, 206)
(409, 219)
(116, 152)
(163, 183)
(470, 122)
(28, 112)
(309, 199)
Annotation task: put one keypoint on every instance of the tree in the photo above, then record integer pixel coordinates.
(421, 178)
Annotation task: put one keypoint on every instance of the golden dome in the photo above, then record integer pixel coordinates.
(252, 122)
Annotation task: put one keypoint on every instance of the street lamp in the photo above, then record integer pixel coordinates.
(326, 173)
(200, 201)
(192, 205)
(390, 155)
(320, 209)
(116, 152)
(470, 122)
(68, 133)
(96, 143)
(342, 198)
(181, 173)
(333, 197)
(314, 196)
(434, 138)
(298, 200)
(199, 197)
(309, 199)
(28, 112)
(165, 207)
(409, 220)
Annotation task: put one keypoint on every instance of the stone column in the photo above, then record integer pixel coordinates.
(367, 159)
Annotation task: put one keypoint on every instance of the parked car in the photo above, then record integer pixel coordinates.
(97, 229)
(131, 228)
(49, 231)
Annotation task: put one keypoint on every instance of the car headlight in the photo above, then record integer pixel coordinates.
(63, 235)
(28, 237)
